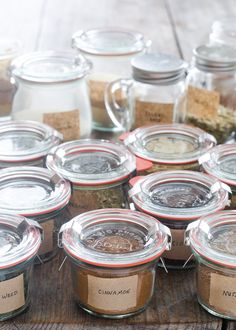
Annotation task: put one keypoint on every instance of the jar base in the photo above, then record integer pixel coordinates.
(209, 310)
(39, 260)
(97, 127)
(176, 264)
(11, 315)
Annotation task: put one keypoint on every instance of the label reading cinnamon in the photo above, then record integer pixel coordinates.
(223, 293)
(112, 294)
(12, 296)
(179, 251)
(67, 123)
(47, 244)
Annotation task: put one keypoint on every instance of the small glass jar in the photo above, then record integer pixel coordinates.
(210, 100)
(51, 88)
(154, 95)
(177, 198)
(26, 142)
(223, 32)
(110, 51)
(40, 195)
(213, 243)
(113, 255)
(169, 147)
(20, 239)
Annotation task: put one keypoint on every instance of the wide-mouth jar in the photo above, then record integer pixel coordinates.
(177, 198)
(113, 254)
(213, 243)
(20, 239)
(38, 194)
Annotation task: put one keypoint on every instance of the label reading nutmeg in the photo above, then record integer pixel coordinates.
(179, 251)
(47, 244)
(12, 296)
(112, 294)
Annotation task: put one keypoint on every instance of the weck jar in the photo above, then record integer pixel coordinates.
(113, 255)
(110, 51)
(177, 198)
(213, 243)
(51, 88)
(20, 239)
(40, 195)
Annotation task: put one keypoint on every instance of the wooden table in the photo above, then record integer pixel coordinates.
(175, 26)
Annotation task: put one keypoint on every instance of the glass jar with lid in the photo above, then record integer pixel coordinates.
(51, 88)
(24, 142)
(211, 100)
(223, 32)
(213, 243)
(177, 198)
(20, 239)
(113, 255)
(154, 94)
(110, 51)
(38, 194)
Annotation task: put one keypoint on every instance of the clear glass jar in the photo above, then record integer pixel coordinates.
(223, 32)
(211, 100)
(26, 142)
(153, 95)
(113, 254)
(213, 243)
(169, 147)
(110, 51)
(177, 198)
(51, 88)
(20, 239)
(40, 195)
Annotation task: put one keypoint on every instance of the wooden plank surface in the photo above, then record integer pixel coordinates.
(231, 325)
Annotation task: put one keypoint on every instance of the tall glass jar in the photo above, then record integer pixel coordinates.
(110, 51)
(223, 32)
(51, 88)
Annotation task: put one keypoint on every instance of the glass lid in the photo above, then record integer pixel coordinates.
(20, 239)
(29, 190)
(115, 238)
(169, 144)
(179, 195)
(25, 140)
(91, 162)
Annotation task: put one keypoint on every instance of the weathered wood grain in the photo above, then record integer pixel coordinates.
(231, 325)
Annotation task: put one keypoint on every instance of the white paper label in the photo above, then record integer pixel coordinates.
(179, 251)
(12, 295)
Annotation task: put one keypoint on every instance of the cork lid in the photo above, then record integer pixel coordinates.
(114, 238)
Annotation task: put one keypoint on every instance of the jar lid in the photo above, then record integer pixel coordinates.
(169, 144)
(50, 66)
(179, 195)
(9, 48)
(214, 237)
(109, 42)
(20, 239)
(114, 238)
(158, 68)
(26, 140)
(30, 190)
(91, 162)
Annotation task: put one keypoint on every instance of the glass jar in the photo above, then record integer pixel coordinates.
(169, 147)
(223, 32)
(177, 198)
(20, 239)
(51, 88)
(110, 51)
(113, 254)
(213, 243)
(26, 142)
(154, 95)
(40, 195)
(211, 100)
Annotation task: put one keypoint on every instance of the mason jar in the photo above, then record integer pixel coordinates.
(52, 89)
(20, 239)
(110, 51)
(223, 32)
(113, 255)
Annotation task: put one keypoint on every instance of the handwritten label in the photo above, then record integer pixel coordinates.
(47, 244)
(179, 251)
(12, 296)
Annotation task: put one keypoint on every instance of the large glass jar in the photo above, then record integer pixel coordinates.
(110, 51)
(154, 94)
(211, 98)
(113, 255)
(223, 32)
(20, 239)
(51, 88)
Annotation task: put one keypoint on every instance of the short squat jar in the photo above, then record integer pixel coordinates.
(20, 239)
(213, 243)
(113, 255)
(169, 147)
(25, 142)
(177, 198)
(40, 195)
